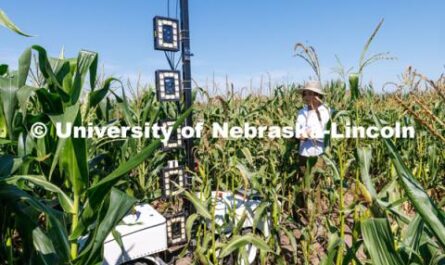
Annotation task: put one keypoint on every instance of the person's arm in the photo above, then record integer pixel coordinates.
(300, 126)
(318, 131)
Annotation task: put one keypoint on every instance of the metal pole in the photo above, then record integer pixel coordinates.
(187, 77)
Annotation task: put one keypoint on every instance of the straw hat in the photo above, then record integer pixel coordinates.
(314, 86)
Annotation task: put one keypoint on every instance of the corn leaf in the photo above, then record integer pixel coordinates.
(364, 156)
(23, 95)
(118, 206)
(7, 23)
(65, 201)
(6, 164)
(200, 207)
(412, 238)
(100, 189)
(238, 242)
(17, 199)
(3, 69)
(8, 92)
(44, 246)
(379, 242)
(96, 96)
(425, 207)
(69, 116)
(85, 61)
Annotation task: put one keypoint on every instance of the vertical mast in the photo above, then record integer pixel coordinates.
(187, 77)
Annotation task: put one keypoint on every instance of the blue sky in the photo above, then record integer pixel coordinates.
(242, 39)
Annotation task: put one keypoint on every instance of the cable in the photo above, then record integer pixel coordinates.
(170, 62)
(177, 63)
(173, 55)
(177, 4)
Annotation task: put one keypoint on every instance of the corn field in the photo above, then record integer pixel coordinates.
(375, 201)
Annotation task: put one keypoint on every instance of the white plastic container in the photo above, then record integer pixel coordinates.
(143, 234)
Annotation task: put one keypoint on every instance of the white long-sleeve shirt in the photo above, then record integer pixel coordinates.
(309, 123)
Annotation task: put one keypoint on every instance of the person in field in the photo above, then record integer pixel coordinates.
(311, 124)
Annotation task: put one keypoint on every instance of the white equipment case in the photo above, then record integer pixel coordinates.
(143, 233)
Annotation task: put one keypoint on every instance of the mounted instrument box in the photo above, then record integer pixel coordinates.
(143, 233)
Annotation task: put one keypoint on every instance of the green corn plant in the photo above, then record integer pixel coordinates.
(220, 152)
(354, 77)
(62, 160)
(58, 192)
